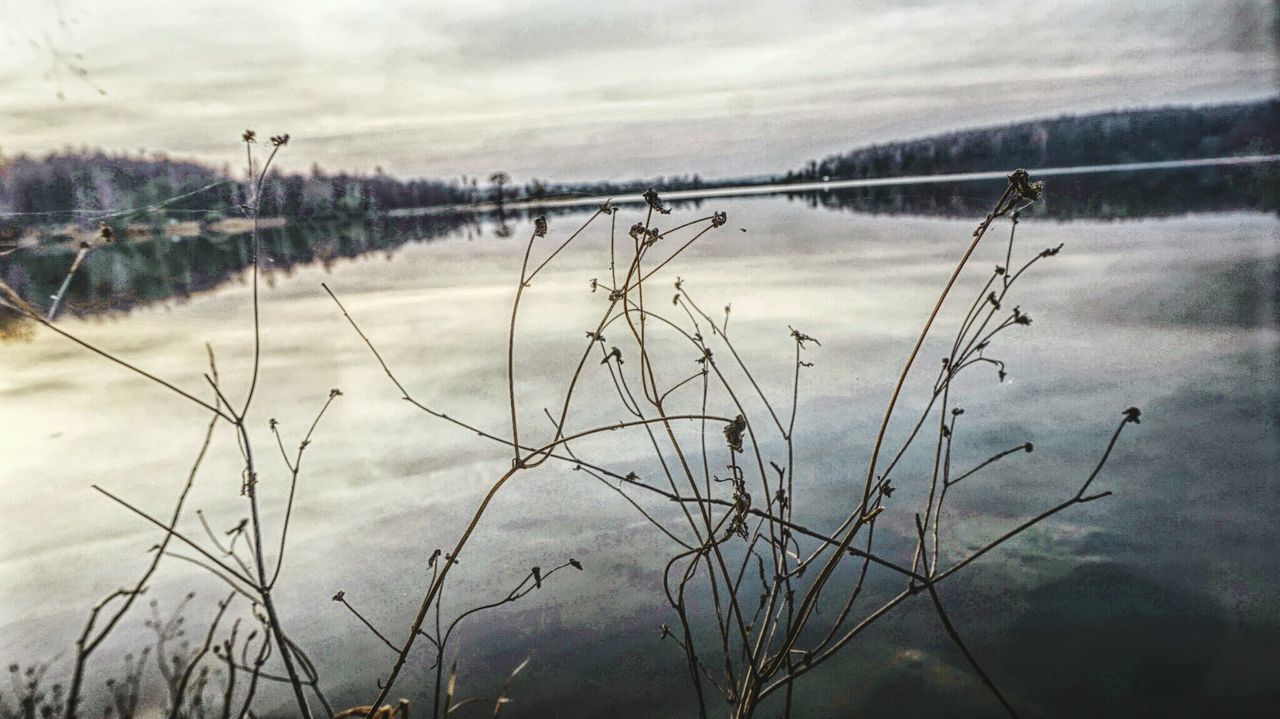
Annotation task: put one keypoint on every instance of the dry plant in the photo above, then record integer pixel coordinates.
(757, 599)
(241, 562)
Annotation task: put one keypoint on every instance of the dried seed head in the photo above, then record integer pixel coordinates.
(643, 234)
(339, 596)
(741, 505)
(249, 136)
(719, 219)
(540, 226)
(733, 433)
(1133, 414)
(280, 140)
(655, 202)
(801, 337)
(1024, 187)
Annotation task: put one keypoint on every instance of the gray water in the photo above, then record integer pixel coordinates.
(1161, 599)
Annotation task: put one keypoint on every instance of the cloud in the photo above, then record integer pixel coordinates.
(570, 88)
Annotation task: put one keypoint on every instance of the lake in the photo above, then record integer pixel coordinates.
(1161, 599)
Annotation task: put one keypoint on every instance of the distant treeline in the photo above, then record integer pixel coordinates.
(1175, 133)
(537, 190)
(67, 185)
(85, 185)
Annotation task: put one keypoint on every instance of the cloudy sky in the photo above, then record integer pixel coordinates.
(584, 89)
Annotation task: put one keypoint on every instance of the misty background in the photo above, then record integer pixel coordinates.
(571, 90)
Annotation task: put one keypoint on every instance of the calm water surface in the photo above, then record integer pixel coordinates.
(1159, 600)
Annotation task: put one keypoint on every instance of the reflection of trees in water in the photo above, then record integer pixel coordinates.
(131, 273)
(128, 273)
(1095, 196)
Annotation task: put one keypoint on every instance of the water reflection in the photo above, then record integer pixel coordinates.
(1118, 196)
(1163, 596)
(158, 265)
(1150, 645)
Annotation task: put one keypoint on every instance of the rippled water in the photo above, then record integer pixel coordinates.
(1161, 599)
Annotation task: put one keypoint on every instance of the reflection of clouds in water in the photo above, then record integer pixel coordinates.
(1209, 473)
(384, 484)
(1107, 640)
(1239, 292)
(1102, 639)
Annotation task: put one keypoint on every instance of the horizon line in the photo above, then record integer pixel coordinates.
(777, 188)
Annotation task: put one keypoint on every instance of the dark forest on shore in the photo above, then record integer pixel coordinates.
(73, 185)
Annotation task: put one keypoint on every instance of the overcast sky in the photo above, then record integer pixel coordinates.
(584, 89)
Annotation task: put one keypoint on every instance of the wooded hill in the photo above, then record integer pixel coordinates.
(1170, 133)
